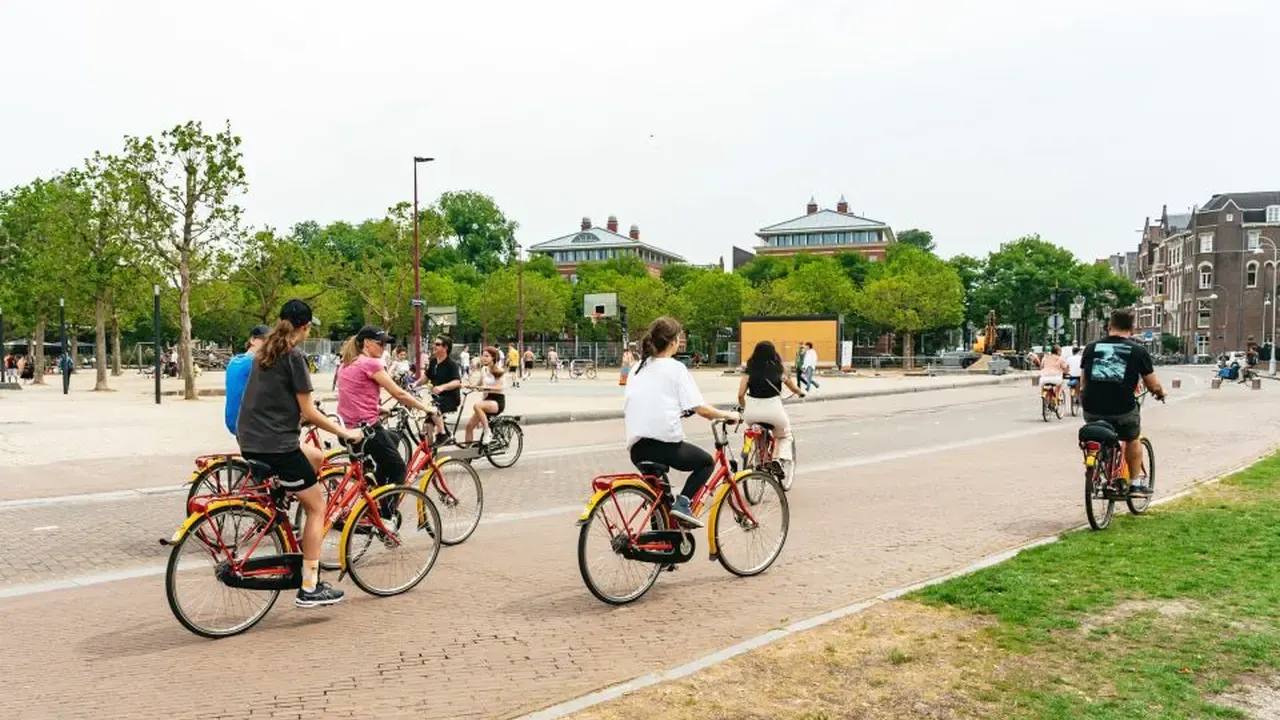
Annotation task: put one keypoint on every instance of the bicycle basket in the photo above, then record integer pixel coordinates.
(1099, 432)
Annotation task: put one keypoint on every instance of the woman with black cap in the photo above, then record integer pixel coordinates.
(361, 380)
(276, 400)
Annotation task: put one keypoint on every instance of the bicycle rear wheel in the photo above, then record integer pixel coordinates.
(1044, 406)
(222, 478)
(1139, 505)
(390, 555)
(591, 373)
(750, 534)
(457, 489)
(609, 576)
(198, 599)
(505, 444)
(1097, 506)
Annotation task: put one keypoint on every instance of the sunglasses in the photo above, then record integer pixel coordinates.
(437, 344)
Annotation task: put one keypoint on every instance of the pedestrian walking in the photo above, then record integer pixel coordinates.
(464, 360)
(628, 359)
(528, 362)
(810, 367)
(553, 364)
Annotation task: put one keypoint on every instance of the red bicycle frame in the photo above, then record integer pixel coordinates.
(423, 457)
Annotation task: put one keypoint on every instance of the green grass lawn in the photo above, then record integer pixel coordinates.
(1146, 619)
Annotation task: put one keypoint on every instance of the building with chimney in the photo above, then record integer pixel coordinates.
(596, 244)
(825, 231)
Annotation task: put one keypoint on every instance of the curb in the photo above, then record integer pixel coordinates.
(568, 416)
(613, 692)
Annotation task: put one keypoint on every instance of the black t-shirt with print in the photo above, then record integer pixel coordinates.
(1112, 368)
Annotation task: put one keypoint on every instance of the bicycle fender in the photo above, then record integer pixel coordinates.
(195, 516)
(328, 471)
(602, 494)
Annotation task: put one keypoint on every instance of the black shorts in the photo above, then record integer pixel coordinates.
(528, 364)
(1127, 426)
(498, 398)
(293, 468)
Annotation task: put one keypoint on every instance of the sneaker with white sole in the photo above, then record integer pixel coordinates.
(681, 510)
(324, 594)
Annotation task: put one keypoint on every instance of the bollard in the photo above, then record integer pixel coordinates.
(1177, 383)
(1216, 384)
(1257, 383)
(1035, 381)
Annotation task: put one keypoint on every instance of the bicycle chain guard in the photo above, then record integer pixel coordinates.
(285, 573)
(681, 543)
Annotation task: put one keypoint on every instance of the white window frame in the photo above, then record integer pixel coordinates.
(1202, 343)
(1206, 243)
(1273, 213)
(1251, 267)
(1204, 284)
(1159, 285)
(1204, 314)
(1231, 217)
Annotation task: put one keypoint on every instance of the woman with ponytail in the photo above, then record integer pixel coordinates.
(659, 392)
(277, 399)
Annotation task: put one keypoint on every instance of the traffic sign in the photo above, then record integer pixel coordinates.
(1077, 311)
(1148, 336)
(1056, 322)
(1078, 300)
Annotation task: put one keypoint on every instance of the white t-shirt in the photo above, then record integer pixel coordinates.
(656, 396)
(811, 358)
(1073, 364)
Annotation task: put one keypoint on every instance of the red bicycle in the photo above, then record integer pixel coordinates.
(628, 536)
(236, 552)
(454, 483)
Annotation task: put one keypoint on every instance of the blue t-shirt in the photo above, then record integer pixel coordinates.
(237, 377)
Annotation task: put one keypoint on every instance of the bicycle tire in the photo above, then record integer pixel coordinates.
(730, 509)
(590, 373)
(788, 478)
(453, 494)
(405, 445)
(1075, 406)
(427, 521)
(657, 521)
(195, 534)
(1044, 407)
(751, 461)
(1139, 505)
(222, 478)
(1094, 488)
(514, 438)
(1057, 406)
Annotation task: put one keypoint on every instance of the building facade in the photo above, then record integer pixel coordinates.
(595, 244)
(825, 231)
(1210, 277)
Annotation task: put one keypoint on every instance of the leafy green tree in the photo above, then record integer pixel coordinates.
(922, 239)
(1171, 344)
(713, 300)
(184, 185)
(542, 265)
(915, 292)
(970, 270)
(485, 236)
(1019, 279)
(765, 269)
(677, 275)
(497, 304)
(855, 266)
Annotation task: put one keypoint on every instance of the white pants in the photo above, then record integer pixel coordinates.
(771, 411)
(1050, 380)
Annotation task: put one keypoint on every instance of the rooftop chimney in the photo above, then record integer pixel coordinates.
(586, 223)
(843, 205)
(812, 207)
(635, 232)
(612, 225)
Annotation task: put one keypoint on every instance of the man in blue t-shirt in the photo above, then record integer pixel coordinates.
(238, 375)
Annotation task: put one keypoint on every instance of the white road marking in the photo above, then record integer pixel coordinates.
(43, 528)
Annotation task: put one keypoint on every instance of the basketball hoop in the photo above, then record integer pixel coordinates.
(596, 318)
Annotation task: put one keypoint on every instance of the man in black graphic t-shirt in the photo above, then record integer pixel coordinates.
(1109, 375)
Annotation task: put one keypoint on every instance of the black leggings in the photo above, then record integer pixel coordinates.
(388, 466)
(679, 456)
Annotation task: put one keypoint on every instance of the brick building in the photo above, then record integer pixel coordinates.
(1209, 277)
(595, 244)
(826, 232)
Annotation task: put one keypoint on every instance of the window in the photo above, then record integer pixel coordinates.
(1206, 243)
(874, 258)
(1202, 344)
(1145, 317)
(1254, 240)
(1206, 277)
(1273, 213)
(1159, 316)
(1159, 285)
(1231, 217)
(1251, 274)
(1204, 314)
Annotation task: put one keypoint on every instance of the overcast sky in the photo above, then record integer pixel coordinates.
(700, 121)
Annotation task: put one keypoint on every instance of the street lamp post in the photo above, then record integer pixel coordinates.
(62, 362)
(417, 272)
(520, 304)
(4, 368)
(155, 322)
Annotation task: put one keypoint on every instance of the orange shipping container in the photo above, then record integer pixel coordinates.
(787, 332)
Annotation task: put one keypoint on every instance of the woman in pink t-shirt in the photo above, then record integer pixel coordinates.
(361, 379)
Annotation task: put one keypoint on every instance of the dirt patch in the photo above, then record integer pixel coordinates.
(1260, 697)
(900, 659)
(1132, 608)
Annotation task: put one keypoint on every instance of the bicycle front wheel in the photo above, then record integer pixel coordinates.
(591, 373)
(1139, 505)
(1098, 506)
(198, 599)
(749, 535)
(609, 576)
(456, 487)
(394, 541)
(505, 444)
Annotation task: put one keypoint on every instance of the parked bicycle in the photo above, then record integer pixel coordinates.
(627, 535)
(1107, 474)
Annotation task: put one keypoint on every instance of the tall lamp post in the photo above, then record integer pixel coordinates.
(62, 361)
(4, 369)
(417, 272)
(155, 322)
(520, 304)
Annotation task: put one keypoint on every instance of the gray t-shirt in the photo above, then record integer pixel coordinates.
(270, 419)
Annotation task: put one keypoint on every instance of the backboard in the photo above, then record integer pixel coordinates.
(442, 317)
(604, 304)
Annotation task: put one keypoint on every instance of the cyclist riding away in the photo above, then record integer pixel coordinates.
(1110, 371)
(494, 400)
(238, 369)
(361, 380)
(276, 401)
(659, 392)
(1073, 370)
(763, 383)
(1053, 369)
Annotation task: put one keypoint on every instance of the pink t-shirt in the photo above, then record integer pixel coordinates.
(359, 395)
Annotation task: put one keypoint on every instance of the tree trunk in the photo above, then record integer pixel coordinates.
(184, 337)
(100, 340)
(908, 351)
(116, 360)
(37, 351)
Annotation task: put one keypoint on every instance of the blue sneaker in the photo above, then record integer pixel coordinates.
(322, 595)
(681, 510)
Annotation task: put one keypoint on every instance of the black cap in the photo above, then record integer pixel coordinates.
(259, 331)
(372, 332)
(298, 313)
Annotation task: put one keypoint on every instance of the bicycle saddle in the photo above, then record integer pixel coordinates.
(259, 470)
(1099, 432)
(765, 426)
(652, 468)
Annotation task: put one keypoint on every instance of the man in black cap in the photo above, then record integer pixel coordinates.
(238, 370)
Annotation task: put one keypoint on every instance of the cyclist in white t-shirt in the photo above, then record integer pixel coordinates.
(660, 392)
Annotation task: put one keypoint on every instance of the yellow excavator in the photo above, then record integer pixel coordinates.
(993, 340)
